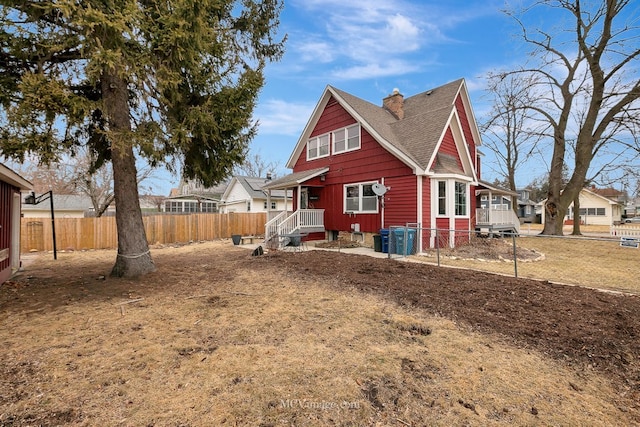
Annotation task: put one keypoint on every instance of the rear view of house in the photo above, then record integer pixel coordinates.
(11, 184)
(360, 167)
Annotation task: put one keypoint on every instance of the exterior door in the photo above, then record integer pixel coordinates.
(304, 198)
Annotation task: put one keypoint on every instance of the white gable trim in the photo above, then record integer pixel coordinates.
(315, 117)
(228, 190)
(461, 145)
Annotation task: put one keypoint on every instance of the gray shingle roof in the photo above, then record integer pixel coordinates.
(425, 117)
(295, 178)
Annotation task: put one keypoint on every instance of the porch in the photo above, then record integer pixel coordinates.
(495, 214)
(497, 221)
(290, 228)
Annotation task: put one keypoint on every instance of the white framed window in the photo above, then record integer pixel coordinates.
(274, 205)
(346, 139)
(442, 198)
(360, 198)
(460, 201)
(318, 147)
(452, 198)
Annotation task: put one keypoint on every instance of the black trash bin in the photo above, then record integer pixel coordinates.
(236, 238)
(377, 243)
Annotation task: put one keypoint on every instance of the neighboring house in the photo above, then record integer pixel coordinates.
(64, 206)
(360, 168)
(594, 210)
(526, 206)
(632, 208)
(611, 193)
(11, 186)
(192, 197)
(245, 194)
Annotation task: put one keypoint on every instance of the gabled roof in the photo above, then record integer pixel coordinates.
(9, 176)
(608, 200)
(415, 138)
(295, 178)
(255, 187)
(63, 202)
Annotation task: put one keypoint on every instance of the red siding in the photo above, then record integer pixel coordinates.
(401, 202)
(466, 129)
(6, 203)
(448, 146)
(370, 163)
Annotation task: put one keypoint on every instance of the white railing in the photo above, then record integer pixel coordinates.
(303, 220)
(311, 219)
(271, 227)
(624, 231)
(497, 217)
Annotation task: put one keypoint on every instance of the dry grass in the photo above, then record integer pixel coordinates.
(214, 344)
(601, 264)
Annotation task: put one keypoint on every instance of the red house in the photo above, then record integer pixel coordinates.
(359, 168)
(10, 202)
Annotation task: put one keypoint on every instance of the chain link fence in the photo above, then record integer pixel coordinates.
(598, 261)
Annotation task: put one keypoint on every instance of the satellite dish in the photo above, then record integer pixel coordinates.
(379, 189)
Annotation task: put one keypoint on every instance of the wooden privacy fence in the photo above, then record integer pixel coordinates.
(100, 233)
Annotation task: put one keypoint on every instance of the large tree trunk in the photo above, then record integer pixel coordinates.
(133, 257)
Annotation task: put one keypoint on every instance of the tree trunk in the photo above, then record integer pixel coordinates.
(576, 216)
(133, 257)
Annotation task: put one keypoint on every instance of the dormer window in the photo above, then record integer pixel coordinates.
(346, 139)
(318, 147)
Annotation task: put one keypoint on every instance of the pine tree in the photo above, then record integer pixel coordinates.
(172, 81)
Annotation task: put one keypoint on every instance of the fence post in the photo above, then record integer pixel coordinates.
(515, 256)
(437, 248)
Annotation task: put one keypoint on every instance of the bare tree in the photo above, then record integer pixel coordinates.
(587, 90)
(56, 177)
(97, 183)
(508, 131)
(255, 165)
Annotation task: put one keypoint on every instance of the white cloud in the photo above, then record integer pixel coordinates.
(372, 70)
(278, 117)
(315, 51)
(358, 39)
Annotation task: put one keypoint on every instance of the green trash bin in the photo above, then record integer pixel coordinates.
(399, 235)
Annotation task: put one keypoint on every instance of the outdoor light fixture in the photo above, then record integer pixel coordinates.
(31, 199)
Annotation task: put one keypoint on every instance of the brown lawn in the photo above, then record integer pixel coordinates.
(217, 337)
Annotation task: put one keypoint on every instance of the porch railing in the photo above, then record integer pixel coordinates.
(503, 217)
(271, 227)
(302, 220)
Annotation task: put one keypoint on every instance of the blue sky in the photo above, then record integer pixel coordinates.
(370, 47)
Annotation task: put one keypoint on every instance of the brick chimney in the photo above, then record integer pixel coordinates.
(395, 103)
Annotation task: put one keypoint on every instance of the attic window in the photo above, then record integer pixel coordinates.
(346, 139)
(318, 147)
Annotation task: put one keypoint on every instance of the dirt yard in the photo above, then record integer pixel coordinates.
(217, 337)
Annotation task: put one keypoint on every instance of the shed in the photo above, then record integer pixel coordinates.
(11, 185)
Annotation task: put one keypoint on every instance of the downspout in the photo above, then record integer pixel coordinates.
(382, 207)
(420, 214)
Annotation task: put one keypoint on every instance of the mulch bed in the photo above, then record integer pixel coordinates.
(586, 328)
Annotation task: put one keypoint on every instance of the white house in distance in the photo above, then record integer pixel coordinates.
(595, 209)
(193, 197)
(64, 206)
(245, 194)
(11, 185)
